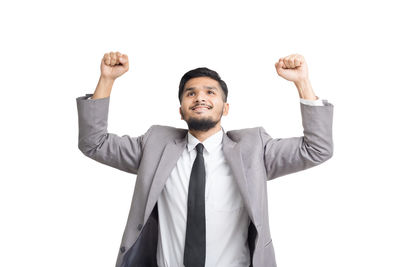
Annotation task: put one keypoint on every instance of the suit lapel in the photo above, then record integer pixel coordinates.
(234, 158)
(169, 158)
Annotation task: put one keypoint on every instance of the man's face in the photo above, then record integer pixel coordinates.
(202, 104)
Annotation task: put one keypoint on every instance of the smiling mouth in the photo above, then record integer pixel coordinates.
(198, 108)
(201, 108)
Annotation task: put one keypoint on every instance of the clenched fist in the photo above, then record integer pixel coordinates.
(113, 65)
(292, 68)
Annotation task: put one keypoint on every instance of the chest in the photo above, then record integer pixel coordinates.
(221, 191)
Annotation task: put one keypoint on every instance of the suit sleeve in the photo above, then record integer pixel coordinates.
(283, 156)
(121, 152)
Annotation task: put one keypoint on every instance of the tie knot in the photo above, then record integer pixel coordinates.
(199, 148)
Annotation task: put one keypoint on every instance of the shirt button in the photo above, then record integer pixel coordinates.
(122, 249)
(139, 227)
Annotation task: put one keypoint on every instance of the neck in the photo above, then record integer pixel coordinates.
(201, 135)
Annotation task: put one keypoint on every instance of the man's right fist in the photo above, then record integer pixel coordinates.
(113, 65)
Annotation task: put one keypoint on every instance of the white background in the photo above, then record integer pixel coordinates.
(60, 208)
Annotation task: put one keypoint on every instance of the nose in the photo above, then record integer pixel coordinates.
(201, 97)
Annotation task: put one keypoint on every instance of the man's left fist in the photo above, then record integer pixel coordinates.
(293, 68)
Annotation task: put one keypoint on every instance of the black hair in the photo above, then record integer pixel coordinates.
(202, 72)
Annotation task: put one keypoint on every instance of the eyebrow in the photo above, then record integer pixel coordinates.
(207, 87)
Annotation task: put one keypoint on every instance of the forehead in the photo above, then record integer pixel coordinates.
(200, 82)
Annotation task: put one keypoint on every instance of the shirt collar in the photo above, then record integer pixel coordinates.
(209, 144)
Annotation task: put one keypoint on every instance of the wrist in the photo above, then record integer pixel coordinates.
(106, 80)
(305, 90)
(103, 88)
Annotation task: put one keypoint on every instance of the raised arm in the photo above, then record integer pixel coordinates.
(121, 152)
(288, 155)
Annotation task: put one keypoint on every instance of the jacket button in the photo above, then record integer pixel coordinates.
(139, 227)
(122, 249)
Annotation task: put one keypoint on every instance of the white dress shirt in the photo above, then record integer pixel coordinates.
(227, 220)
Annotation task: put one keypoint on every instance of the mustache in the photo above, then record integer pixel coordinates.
(201, 105)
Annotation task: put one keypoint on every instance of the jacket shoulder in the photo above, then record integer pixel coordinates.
(250, 143)
(245, 135)
(167, 132)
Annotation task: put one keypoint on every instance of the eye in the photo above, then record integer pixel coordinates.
(211, 92)
(190, 93)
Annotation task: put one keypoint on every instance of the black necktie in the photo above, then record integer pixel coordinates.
(195, 242)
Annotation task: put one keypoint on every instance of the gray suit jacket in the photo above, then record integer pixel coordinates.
(252, 154)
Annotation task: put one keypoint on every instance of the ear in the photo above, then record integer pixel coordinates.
(180, 112)
(226, 109)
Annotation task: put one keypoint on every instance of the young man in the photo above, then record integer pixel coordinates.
(201, 194)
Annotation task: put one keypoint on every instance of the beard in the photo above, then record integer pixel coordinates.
(203, 124)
